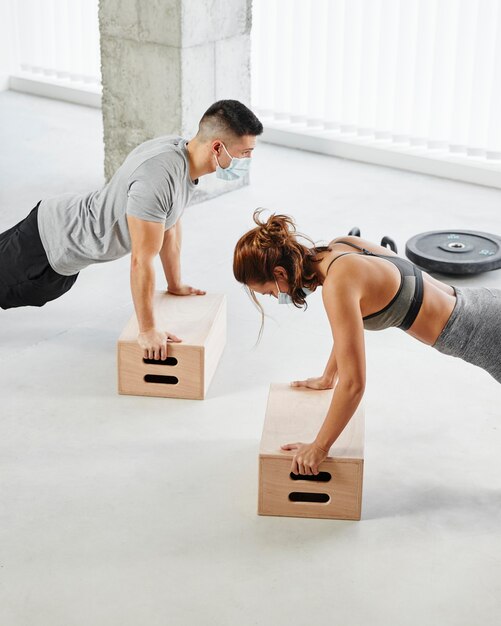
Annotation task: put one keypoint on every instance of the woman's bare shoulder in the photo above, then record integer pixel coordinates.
(376, 248)
(347, 273)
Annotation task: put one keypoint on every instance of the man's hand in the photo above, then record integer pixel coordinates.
(307, 458)
(185, 290)
(315, 383)
(154, 343)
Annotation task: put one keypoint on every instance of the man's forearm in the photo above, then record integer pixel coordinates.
(170, 255)
(142, 282)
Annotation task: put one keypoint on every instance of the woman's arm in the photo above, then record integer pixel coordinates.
(330, 370)
(328, 378)
(342, 304)
(341, 294)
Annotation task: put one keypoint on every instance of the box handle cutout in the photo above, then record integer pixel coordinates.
(301, 496)
(170, 360)
(321, 477)
(164, 380)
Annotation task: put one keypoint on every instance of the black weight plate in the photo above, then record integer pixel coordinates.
(455, 251)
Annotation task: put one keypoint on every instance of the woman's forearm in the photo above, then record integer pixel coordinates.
(345, 400)
(330, 370)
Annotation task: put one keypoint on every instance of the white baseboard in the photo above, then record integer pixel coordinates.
(440, 163)
(78, 94)
(413, 158)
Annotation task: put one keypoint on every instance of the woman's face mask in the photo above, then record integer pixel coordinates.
(284, 298)
(236, 169)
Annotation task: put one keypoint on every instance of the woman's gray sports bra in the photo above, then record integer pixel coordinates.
(404, 307)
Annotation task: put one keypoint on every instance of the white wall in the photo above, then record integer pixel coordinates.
(7, 42)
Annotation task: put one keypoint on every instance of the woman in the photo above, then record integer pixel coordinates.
(363, 286)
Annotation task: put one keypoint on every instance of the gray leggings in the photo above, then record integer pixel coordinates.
(473, 332)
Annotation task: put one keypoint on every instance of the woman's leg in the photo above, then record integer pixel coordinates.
(473, 332)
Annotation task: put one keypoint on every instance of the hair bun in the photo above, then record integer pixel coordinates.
(276, 231)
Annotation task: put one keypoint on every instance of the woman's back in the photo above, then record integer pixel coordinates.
(389, 285)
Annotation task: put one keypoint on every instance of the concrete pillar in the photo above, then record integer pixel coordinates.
(164, 62)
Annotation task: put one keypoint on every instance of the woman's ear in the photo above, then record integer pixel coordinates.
(280, 272)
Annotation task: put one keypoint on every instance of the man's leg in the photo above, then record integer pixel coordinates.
(26, 277)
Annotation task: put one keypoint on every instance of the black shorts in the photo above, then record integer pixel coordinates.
(26, 278)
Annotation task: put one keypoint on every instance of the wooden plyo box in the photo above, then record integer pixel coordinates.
(200, 321)
(295, 414)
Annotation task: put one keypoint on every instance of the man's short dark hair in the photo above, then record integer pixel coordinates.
(229, 116)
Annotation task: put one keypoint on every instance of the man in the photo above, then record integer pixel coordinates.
(137, 211)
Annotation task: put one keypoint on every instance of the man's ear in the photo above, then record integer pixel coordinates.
(216, 146)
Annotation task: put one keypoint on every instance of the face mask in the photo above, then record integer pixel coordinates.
(236, 169)
(284, 298)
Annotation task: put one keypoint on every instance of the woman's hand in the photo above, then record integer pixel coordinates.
(307, 458)
(315, 383)
(185, 290)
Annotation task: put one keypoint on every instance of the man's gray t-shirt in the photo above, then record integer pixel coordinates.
(153, 184)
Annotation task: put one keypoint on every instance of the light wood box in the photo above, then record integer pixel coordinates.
(200, 321)
(296, 414)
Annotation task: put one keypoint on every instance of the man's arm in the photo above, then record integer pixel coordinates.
(147, 239)
(170, 255)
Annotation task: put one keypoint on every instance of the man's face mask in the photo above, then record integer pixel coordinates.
(284, 298)
(236, 169)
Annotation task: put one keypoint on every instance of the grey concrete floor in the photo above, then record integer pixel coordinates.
(120, 510)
